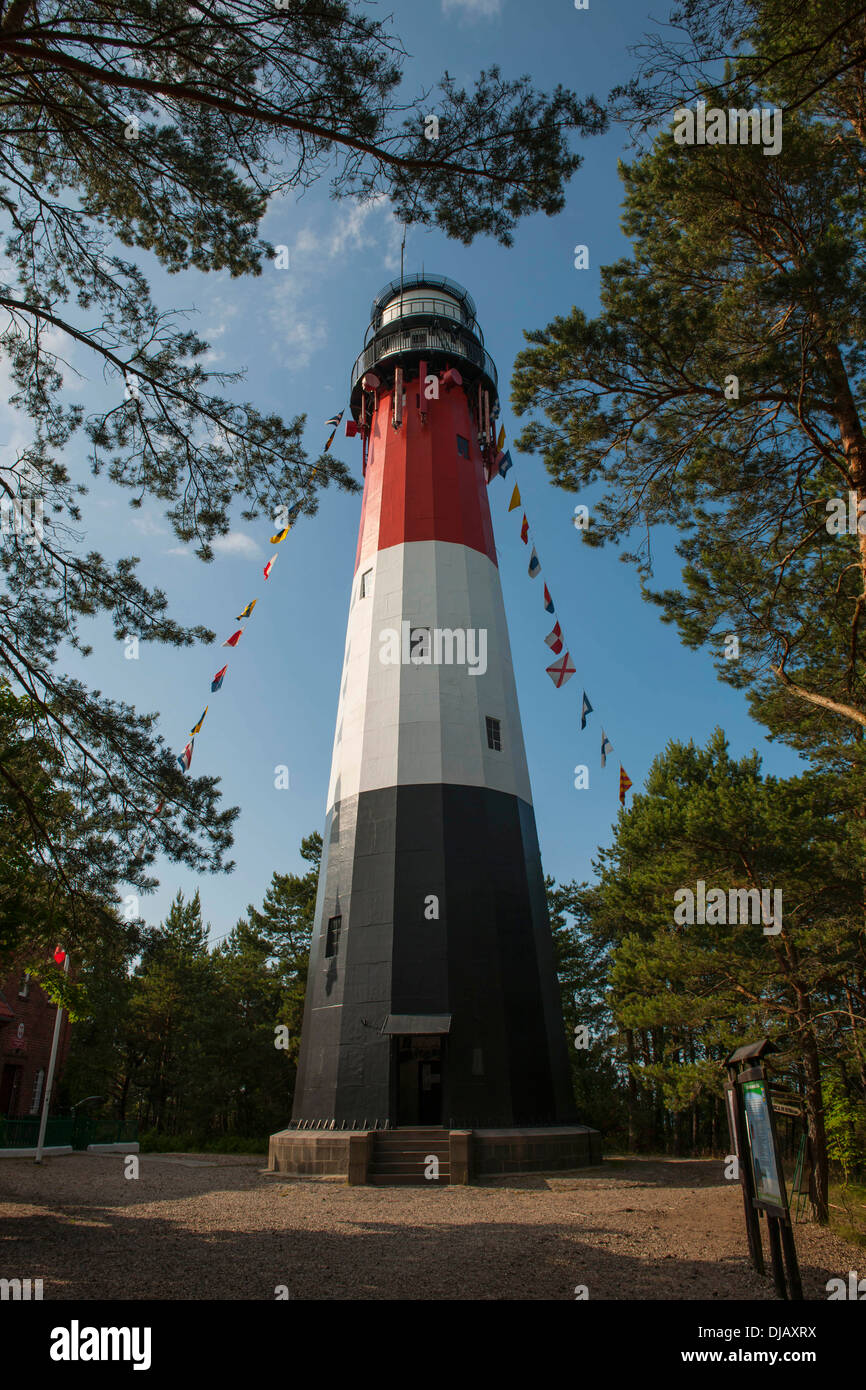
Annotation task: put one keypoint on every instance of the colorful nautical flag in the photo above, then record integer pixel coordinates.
(548, 601)
(515, 498)
(158, 811)
(624, 783)
(534, 564)
(186, 756)
(561, 671)
(606, 747)
(268, 567)
(500, 440)
(334, 421)
(524, 530)
(554, 640)
(585, 709)
(504, 462)
(234, 639)
(248, 610)
(218, 679)
(292, 518)
(280, 536)
(197, 727)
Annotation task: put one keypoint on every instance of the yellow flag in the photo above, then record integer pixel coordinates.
(248, 610)
(280, 536)
(501, 438)
(200, 722)
(515, 499)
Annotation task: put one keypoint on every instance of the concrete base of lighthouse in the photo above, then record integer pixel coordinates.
(401, 1157)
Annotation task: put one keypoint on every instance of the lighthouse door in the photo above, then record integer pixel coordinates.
(419, 1080)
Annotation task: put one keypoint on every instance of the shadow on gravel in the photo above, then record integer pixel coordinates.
(129, 1257)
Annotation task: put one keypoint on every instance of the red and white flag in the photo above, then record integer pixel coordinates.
(561, 670)
(269, 566)
(233, 640)
(186, 756)
(554, 640)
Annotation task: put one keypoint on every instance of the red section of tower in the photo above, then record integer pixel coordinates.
(419, 487)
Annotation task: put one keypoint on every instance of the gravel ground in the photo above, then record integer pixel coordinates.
(198, 1226)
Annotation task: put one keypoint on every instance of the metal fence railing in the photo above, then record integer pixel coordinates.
(61, 1130)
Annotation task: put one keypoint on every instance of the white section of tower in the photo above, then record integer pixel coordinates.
(399, 725)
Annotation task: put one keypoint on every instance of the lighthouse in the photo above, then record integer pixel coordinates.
(432, 1001)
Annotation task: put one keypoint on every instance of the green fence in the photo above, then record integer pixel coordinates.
(75, 1130)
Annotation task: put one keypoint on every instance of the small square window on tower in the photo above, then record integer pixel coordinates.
(494, 733)
(462, 446)
(366, 583)
(332, 941)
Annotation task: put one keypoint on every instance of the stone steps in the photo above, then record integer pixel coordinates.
(400, 1157)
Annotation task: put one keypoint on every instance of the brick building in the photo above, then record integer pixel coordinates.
(27, 1018)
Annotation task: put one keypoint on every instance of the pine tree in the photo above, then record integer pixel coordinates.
(710, 987)
(718, 392)
(170, 1007)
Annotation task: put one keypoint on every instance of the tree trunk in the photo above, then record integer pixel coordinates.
(631, 1094)
(815, 1127)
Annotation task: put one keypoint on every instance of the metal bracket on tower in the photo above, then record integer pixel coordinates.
(398, 397)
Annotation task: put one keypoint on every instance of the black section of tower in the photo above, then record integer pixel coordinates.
(486, 961)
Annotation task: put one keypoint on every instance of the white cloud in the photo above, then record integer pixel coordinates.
(147, 526)
(235, 543)
(473, 9)
(300, 329)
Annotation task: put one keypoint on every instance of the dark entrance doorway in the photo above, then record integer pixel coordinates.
(9, 1083)
(420, 1064)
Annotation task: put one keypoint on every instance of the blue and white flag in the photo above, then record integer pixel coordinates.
(504, 462)
(186, 756)
(534, 564)
(606, 747)
(586, 708)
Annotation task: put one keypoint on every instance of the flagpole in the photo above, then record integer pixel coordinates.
(49, 1081)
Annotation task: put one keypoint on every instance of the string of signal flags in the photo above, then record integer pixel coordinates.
(562, 670)
(185, 758)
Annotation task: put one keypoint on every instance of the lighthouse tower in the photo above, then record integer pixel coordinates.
(432, 997)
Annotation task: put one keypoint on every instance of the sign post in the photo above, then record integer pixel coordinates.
(753, 1131)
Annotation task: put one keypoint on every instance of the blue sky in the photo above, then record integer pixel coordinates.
(297, 333)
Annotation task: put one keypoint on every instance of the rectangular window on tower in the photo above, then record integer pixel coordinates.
(462, 446)
(366, 583)
(494, 734)
(332, 941)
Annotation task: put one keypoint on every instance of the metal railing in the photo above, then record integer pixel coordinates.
(76, 1130)
(413, 307)
(423, 340)
(422, 281)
